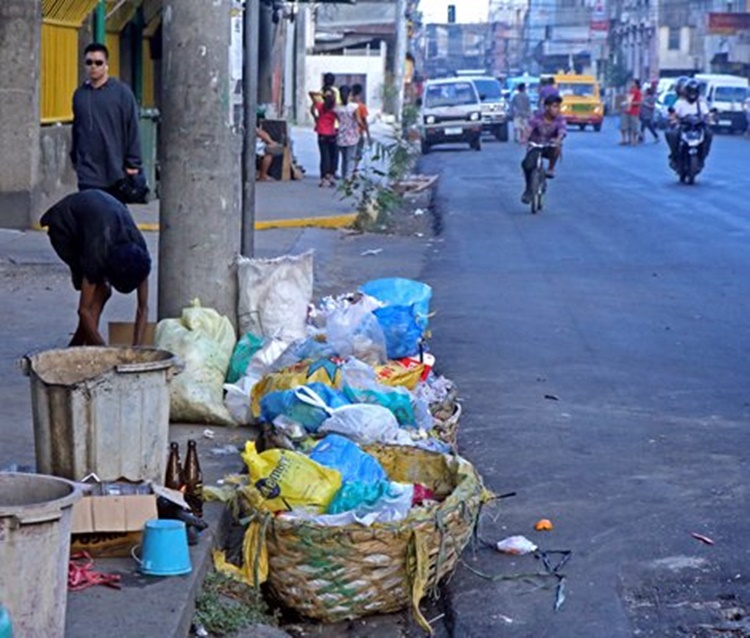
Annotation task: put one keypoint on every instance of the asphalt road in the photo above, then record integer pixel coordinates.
(602, 352)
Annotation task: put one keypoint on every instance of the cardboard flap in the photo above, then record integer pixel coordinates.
(113, 513)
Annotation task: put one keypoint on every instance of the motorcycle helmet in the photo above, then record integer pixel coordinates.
(679, 85)
(691, 91)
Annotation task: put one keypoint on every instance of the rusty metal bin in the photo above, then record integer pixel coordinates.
(101, 409)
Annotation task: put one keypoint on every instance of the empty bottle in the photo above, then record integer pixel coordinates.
(193, 480)
(174, 478)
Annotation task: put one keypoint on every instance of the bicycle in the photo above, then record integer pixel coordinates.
(538, 182)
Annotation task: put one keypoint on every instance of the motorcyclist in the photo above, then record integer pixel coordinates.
(547, 127)
(689, 103)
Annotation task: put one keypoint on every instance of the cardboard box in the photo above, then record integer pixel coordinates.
(121, 333)
(111, 525)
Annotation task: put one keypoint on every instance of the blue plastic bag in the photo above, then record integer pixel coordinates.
(354, 464)
(397, 291)
(246, 347)
(402, 333)
(364, 480)
(308, 405)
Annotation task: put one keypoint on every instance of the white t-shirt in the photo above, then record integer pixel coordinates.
(683, 108)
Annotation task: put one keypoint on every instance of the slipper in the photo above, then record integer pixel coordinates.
(550, 175)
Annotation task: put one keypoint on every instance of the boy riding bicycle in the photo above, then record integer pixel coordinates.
(547, 127)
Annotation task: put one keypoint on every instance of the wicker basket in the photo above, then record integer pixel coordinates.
(336, 573)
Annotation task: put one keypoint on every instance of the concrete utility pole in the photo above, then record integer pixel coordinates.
(302, 102)
(200, 194)
(20, 35)
(250, 26)
(399, 57)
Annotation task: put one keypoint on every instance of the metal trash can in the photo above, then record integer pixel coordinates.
(35, 520)
(148, 128)
(101, 409)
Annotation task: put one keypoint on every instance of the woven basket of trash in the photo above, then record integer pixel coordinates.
(333, 573)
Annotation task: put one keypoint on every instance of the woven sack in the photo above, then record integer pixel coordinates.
(336, 573)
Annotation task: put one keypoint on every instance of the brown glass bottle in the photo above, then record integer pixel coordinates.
(174, 478)
(193, 480)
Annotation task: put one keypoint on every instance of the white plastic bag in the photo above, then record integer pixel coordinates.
(366, 423)
(204, 340)
(354, 331)
(274, 295)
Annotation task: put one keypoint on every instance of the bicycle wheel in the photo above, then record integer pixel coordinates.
(535, 185)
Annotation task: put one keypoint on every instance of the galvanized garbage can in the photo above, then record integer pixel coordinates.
(103, 410)
(35, 519)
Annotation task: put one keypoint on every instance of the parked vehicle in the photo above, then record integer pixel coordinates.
(726, 95)
(451, 112)
(582, 104)
(494, 106)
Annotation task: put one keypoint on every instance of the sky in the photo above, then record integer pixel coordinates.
(466, 10)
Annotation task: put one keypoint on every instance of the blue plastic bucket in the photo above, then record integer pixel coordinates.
(164, 551)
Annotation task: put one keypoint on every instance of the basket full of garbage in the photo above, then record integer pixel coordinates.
(346, 530)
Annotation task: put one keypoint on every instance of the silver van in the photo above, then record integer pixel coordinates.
(494, 106)
(451, 112)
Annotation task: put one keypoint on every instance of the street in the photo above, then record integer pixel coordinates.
(601, 348)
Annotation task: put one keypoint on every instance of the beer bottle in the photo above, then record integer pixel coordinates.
(174, 478)
(193, 480)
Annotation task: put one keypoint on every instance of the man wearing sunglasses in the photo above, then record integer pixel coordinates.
(106, 147)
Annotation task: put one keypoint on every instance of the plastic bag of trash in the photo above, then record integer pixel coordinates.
(274, 295)
(327, 371)
(365, 423)
(246, 347)
(307, 349)
(394, 505)
(364, 481)
(360, 385)
(204, 341)
(354, 331)
(288, 479)
(238, 397)
(410, 294)
(309, 405)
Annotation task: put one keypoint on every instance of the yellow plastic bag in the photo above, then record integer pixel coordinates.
(396, 373)
(288, 479)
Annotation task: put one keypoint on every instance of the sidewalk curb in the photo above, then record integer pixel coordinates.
(330, 221)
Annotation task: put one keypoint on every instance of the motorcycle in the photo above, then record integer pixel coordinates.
(690, 148)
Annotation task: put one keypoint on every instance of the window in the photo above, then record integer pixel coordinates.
(673, 42)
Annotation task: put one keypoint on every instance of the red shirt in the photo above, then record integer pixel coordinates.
(634, 102)
(326, 123)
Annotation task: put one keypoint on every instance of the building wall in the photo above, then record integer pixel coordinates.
(372, 66)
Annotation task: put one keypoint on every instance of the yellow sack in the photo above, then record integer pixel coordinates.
(288, 479)
(253, 549)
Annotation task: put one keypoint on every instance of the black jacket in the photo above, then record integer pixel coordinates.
(105, 134)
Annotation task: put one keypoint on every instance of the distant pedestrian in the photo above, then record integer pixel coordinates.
(324, 114)
(520, 107)
(630, 123)
(364, 127)
(648, 108)
(106, 150)
(347, 137)
(95, 235)
(266, 149)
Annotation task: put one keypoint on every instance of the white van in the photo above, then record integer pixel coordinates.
(726, 94)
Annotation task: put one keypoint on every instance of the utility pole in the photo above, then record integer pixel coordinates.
(250, 24)
(399, 57)
(199, 211)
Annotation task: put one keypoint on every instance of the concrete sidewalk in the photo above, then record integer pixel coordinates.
(40, 313)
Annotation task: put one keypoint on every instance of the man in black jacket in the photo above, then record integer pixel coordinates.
(106, 146)
(95, 235)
